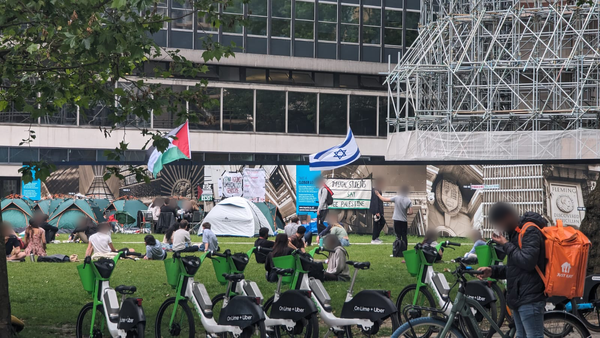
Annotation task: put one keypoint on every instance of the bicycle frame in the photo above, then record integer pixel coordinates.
(100, 288)
(424, 278)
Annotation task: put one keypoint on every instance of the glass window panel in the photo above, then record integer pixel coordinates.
(348, 81)
(265, 157)
(66, 115)
(14, 115)
(349, 33)
(53, 155)
(135, 155)
(96, 116)
(270, 111)
(324, 79)
(208, 112)
(305, 10)
(3, 155)
(82, 155)
(229, 73)
(182, 19)
(302, 113)
(238, 109)
(257, 25)
(327, 31)
(257, 7)
(393, 18)
(412, 20)
(371, 35)
(23, 154)
(304, 78)
(231, 23)
(203, 24)
(371, 82)
(371, 16)
(333, 114)
(411, 36)
(256, 75)
(241, 157)
(350, 14)
(290, 157)
(224, 157)
(280, 27)
(304, 30)
(393, 36)
(233, 6)
(327, 12)
(279, 76)
(282, 8)
(181, 4)
(383, 125)
(363, 115)
(167, 117)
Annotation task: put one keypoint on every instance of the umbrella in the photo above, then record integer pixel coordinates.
(16, 212)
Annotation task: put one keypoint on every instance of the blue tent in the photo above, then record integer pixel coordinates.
(70, 212)
(16, 212)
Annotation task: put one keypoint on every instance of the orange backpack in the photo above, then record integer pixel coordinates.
(567, 257)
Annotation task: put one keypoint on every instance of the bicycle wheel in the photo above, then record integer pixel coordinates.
(406, 298)
(257, 330)
(307, 327)
(382, 328)
(559, 324)
(500, 302)
(217, 303)
(591, 317)
(84, 323)
(183, 324)
(483, 323)
(423, 326)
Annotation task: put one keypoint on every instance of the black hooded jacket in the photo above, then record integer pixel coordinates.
(524, 285)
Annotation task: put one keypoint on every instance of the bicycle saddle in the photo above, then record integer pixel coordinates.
(126, 290)
(283, 272)
(234, 277)
(360, 265)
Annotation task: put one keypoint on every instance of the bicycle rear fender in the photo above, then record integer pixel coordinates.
(369, 304)
(591, 283)
(242, 311)
(130, 314)
(293, 304)
(480, 291)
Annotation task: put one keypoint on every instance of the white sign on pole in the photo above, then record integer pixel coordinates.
(254, 184)
(350, 193)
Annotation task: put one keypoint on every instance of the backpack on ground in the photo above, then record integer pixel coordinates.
(567, 256)
(398, 248)
(329, 199)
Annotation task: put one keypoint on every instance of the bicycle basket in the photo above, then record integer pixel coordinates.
(500, 253)
(105, 267)
(306, 262)
(221, 266)
(240, 260)
(87, 276)
(173, 269)
(413, 262)
(484, 255)
(285, 262)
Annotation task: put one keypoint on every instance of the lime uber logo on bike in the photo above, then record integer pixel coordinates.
(126, 320)
(368, 309)
(566, 269)
(295, 309)
(235, 318)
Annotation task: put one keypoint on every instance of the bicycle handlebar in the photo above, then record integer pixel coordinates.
(452, 243)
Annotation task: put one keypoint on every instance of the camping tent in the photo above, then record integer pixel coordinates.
(43, 206)
(16, 212)
(54, 204)
(272, 214)
(69, 213)
(98, 205)
(237, 216)
(130, 207)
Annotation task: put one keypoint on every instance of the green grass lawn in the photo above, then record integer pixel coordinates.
(48, 296)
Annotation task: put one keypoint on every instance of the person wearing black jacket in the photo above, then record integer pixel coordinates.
(376, 210)
(49, 229)
(525, 288)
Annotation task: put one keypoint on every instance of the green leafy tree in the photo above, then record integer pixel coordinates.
(90, 53)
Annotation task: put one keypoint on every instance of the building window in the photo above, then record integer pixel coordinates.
(82, 155)
(23, 154)
(363, 115)
(256, 75)
(302, 113)
(348, 81)
(206, 106)
(412, 26)
(182, 16)
(54, 155)
(282, 14)
(167, 117)
(270, 111)
(65, 115)
(241, 157)
(350, 19)
(305, 20)
(383, 125)
(216, 157)
(327, 21)
(232, 16)
(98, 115)
(324, 80)
(371, 25)
(238, 112)
(333, 113)
(161, 9)
(257, 17)
(393, 27)
(14, 114)
(3, 155)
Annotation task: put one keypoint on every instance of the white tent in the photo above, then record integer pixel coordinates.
(237, 216)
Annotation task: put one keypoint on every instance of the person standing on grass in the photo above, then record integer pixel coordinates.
(322, 209)
(376, 210)
(209, 239)
(263, 242)
(402, 208)
(525, 288)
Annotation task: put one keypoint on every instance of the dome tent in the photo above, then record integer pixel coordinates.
(128, 207)
(237, 216)
(69, 212)
(16, 212)
(43, 206)
(98, 206)
(272, 214)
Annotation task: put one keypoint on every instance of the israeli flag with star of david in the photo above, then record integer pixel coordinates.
(336, 157)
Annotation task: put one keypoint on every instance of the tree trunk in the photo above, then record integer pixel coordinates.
(590, 226)
(5, 322)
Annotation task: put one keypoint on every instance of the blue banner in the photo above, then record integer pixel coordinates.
(307, 193)
(32, 190)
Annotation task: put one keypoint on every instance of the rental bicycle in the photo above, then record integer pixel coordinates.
(557, 324)
(240, 316)
(104, 315)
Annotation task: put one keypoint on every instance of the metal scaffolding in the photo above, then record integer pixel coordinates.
(512, 67)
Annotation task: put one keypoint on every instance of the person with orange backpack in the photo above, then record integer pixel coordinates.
(525, 287)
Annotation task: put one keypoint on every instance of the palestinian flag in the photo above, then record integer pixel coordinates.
(177, 150)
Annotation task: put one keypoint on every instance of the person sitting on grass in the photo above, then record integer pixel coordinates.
(209, 239)
(12, 244)
(100, 244)
(471, 256)
(336, 229)
(280, 248)
(182, 241)
(154, 250)
(337, 269)
(50, 230)
(297, 241)
(262, 242)
(35, 239)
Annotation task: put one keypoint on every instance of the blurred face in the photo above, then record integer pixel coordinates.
(508, 223)
(329, 242)
(379, 184)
